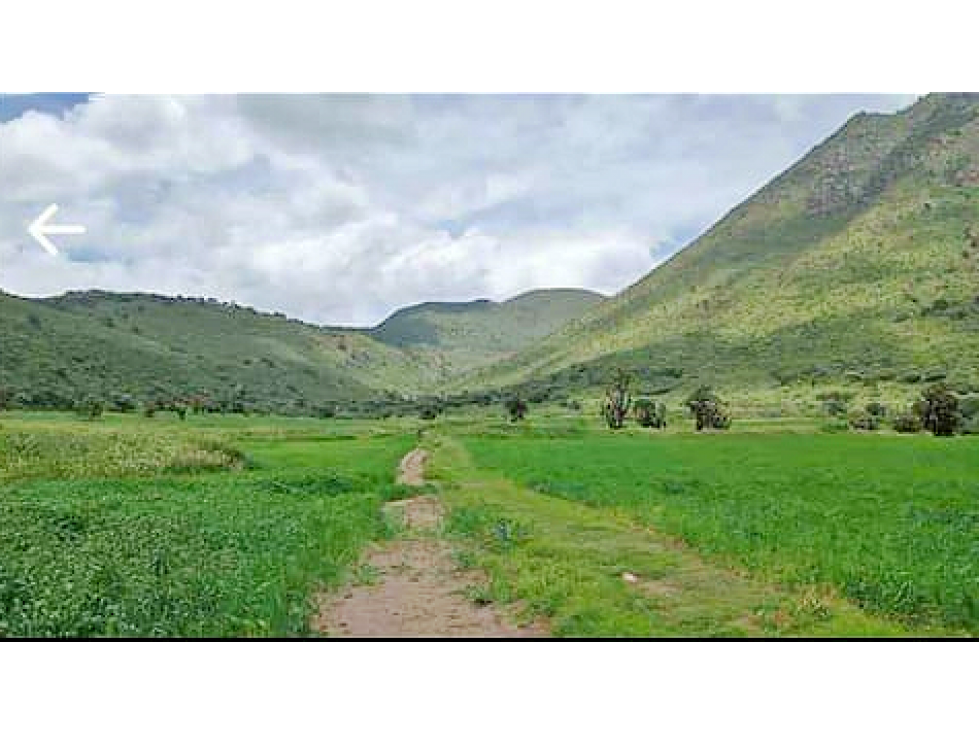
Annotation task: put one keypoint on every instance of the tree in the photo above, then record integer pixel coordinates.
(939, 410)
(517, 408)
(91, 408)
(649, 413)
(708, 410)
(6, 396)
(617, 400)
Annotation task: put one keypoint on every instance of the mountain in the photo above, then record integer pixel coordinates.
(462, 335)
(55, 351)
(857, 263)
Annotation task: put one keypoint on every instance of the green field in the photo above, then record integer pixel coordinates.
(229, 526)
(129, 527)
(889, 521)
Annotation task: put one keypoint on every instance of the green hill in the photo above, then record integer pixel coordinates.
(859, 263)
(462, 335)
(57, 350)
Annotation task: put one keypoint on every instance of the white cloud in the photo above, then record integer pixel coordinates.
(340, 209)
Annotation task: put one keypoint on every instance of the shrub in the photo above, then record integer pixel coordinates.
(149, 410)
(649, 413)
(907, 422)
(516, 407)
(939, 410)
(864, 421)
(878, 410)
(90, 408)
(708, 410)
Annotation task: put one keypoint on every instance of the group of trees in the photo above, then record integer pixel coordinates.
(938, 410)
(706, 408)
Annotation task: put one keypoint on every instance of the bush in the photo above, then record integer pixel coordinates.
(939, 410)
(878, 410)
(708, 410)
(516, 408)
(90, 408)
(649, 413)
(907, 422)
(864, 421)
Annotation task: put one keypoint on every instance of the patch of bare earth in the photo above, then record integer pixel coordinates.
(417, 589)
(411, 471)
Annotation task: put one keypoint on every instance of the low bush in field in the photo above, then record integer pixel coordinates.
(864, 421)
(907, 422)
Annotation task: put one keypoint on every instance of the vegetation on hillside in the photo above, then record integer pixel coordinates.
(858, 263)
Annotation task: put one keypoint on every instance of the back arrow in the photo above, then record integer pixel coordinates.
(40, 229)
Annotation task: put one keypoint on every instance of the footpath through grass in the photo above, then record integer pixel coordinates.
(136, 528)
(889, 522)
(564, 560)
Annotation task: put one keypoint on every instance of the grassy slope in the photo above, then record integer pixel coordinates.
(833, 266)
(152, 346)
(155, 347)
(464, 335)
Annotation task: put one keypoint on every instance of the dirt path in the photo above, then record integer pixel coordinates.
(412, 468)
(413, 586)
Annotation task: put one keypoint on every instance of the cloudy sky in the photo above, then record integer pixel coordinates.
(339, 209)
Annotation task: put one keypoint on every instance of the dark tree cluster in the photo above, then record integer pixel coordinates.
(516, 408)
(708, 410)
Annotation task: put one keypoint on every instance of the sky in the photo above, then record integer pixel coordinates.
(339, 209)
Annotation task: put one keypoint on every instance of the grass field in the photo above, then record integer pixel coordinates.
(129, 527)
(889, 522)
(228, 526)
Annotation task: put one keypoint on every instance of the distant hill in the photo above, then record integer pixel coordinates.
(463, 335)
(55, 351)
(154, 347)
(859, 262)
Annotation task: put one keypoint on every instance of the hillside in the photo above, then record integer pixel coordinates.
(56, 350)
(857, 263)
(462, 335)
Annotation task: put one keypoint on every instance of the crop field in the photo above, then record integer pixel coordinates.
(129, 527)
(890, 522)
(229, 526)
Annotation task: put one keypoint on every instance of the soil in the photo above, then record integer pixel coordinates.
(416, 589)
(411, 472)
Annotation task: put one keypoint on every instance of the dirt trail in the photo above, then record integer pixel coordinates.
(411, 471)
(415, 587)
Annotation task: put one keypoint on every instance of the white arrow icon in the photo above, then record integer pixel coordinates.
(40, 229)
